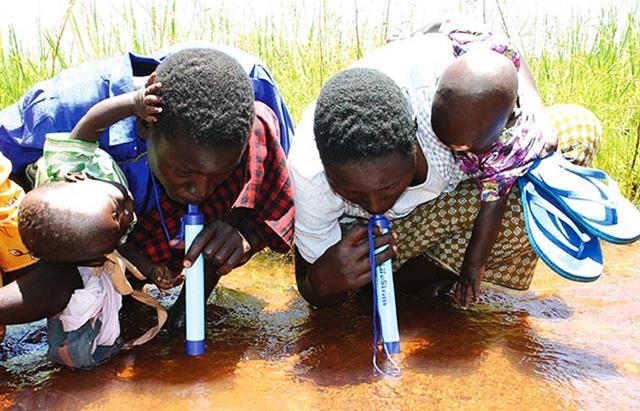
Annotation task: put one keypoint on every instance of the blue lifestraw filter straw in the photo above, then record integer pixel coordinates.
(193, 223)
(384, 292)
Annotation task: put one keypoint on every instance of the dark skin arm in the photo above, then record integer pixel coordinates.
(342, 268)
(40, 290)
(486, 228)
(143, 103)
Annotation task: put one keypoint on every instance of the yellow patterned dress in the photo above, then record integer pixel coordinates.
(13, 253)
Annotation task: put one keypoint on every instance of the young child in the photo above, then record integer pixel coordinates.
(82, 220)
(476, 113)
(102, 187)
(80, 211)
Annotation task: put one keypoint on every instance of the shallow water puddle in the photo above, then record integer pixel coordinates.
(560, 345)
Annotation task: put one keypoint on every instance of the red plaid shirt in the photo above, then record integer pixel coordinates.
(259, 183)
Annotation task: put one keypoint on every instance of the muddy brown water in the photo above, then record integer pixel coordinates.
(560, 345)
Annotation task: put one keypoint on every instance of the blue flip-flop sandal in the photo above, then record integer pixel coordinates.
(563, 245)
(590, 197)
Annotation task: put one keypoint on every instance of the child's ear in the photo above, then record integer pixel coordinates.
(144, 129)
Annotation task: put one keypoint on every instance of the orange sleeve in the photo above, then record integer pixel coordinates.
(13, 253)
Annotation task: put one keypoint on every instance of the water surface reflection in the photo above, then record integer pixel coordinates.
(560, 345)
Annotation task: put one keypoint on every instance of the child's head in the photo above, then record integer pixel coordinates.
(202, 132)
(474, 99)
(77, 221)
(366, 138)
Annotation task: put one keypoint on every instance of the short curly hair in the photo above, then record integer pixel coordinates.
(362, 113)
(55, 233)
(207, 95)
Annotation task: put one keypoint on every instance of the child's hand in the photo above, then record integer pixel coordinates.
(161, 276)
(146, 102)
(467, 289)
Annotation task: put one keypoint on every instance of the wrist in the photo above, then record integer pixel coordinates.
(470, 264)
(135, 99)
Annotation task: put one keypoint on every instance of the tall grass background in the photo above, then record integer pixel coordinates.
(599, 69)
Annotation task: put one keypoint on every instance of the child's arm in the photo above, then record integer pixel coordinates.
(143, 103)
(485, 231)
(41, 290)
(159, 274)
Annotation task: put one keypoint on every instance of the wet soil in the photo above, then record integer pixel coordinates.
(560, 345)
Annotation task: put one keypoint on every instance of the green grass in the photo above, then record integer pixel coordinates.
(601, 74)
